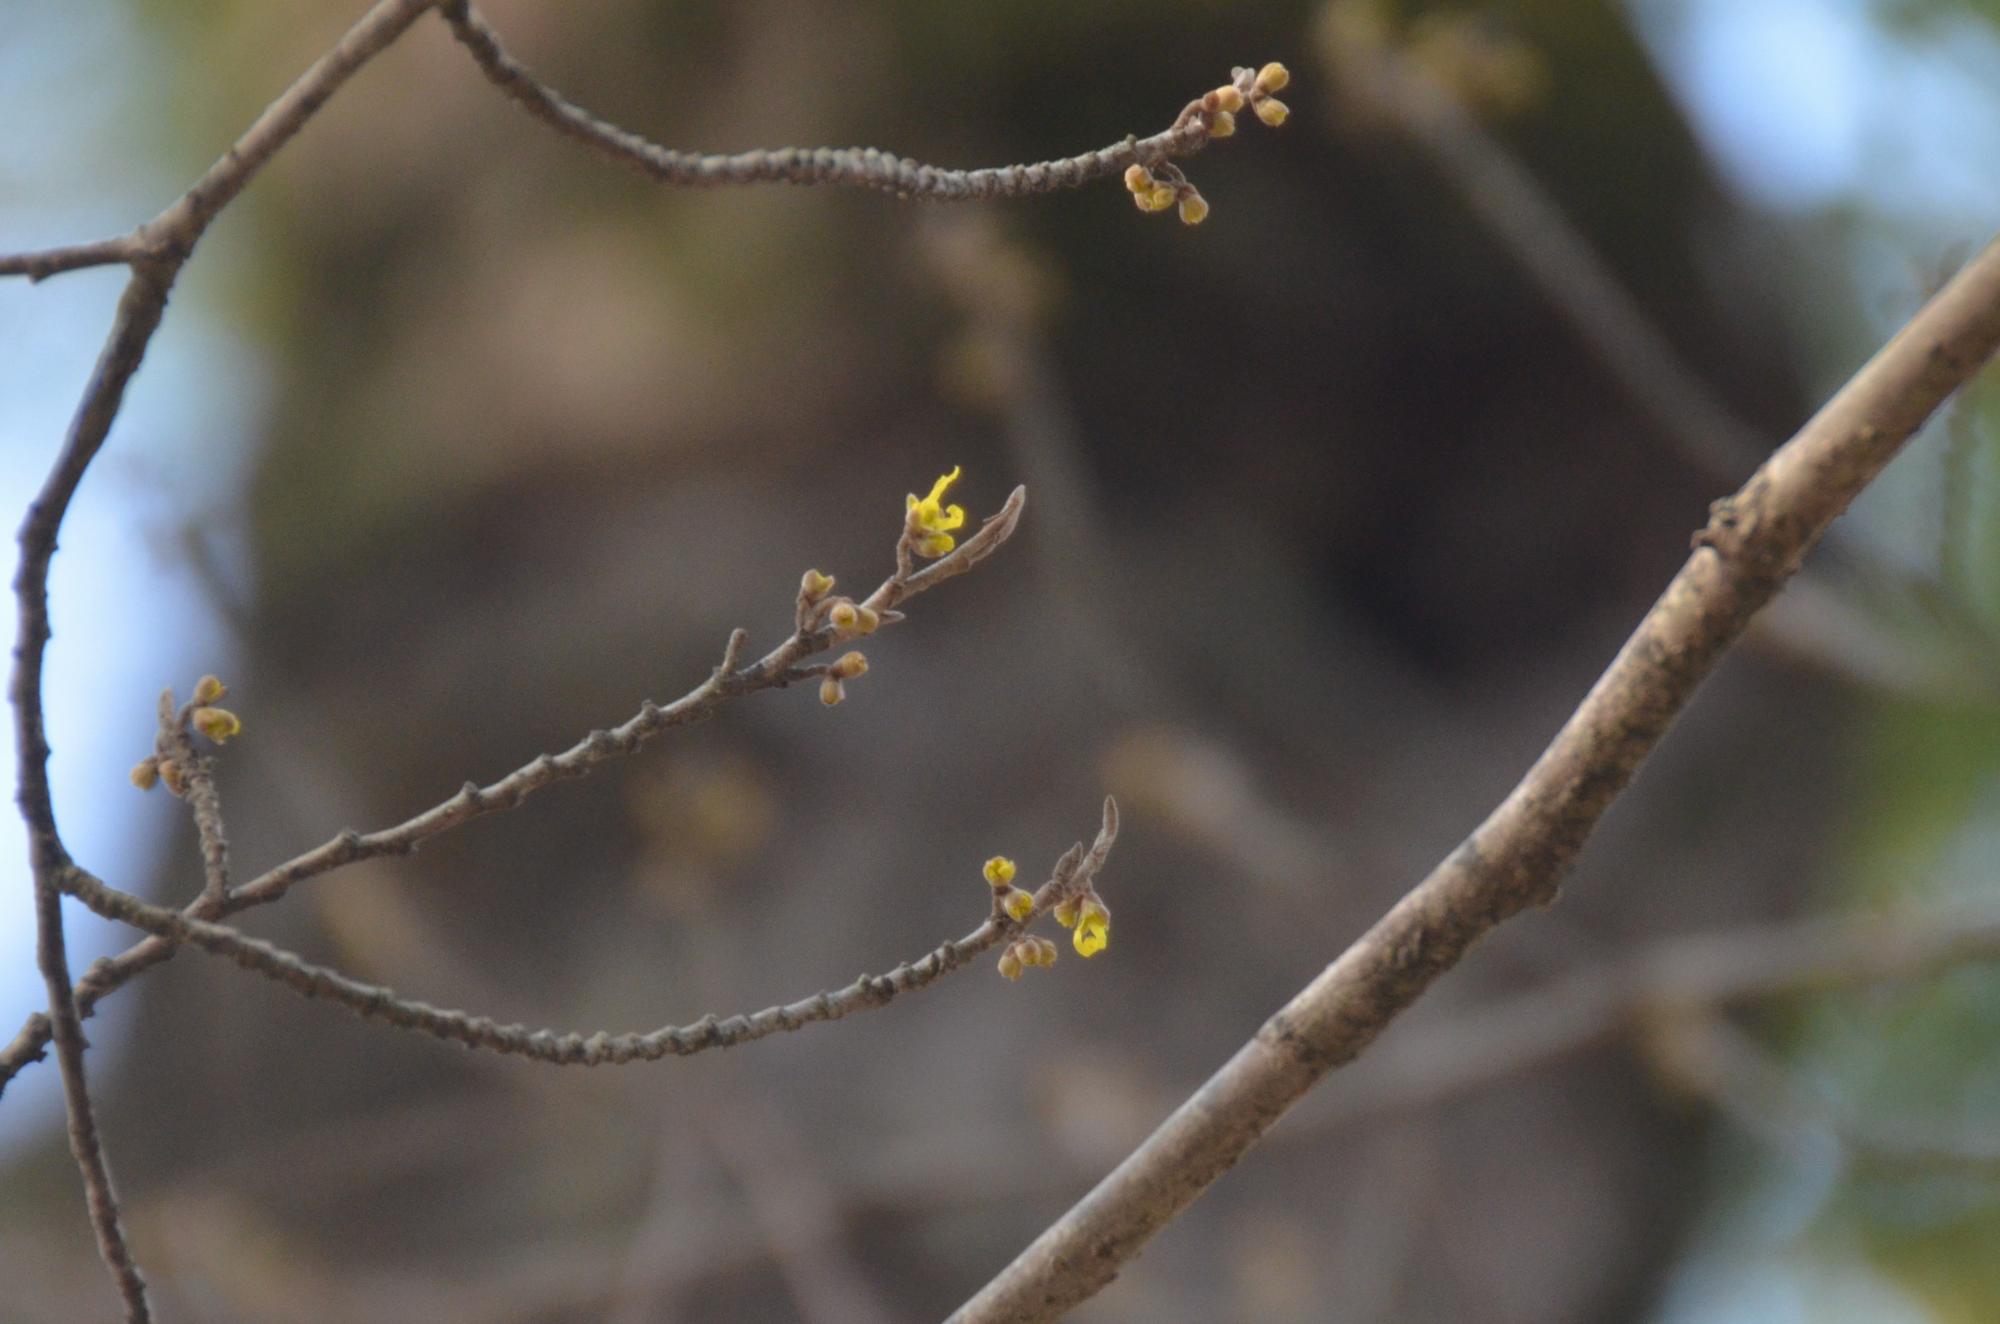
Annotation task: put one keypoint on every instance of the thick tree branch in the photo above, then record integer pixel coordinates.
(1518, 856)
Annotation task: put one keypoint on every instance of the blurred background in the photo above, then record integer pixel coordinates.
(458, 443)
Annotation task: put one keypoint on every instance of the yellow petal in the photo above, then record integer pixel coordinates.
(939, 487)
(999, 871)
(1091, 937)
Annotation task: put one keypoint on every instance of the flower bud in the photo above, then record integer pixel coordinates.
(1065, 912)
(1138, 179)
(218, 724)
(843, 616)
(173, 776)
(999, 871)
(1273, 77)
(1272, 111)
(849, 666)
(813, 586)
(831, 691)
(1194, 208)
(1018, 904)
(146, 773)
(867, 621)
(1221, 124)
(1010, 964)
(1228, 99)
(209, 690)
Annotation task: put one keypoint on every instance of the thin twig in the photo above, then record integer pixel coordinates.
(42, 263)
(863, 167)
(1517, 858)
(196, 774)
(599, 1048)
(776, 669)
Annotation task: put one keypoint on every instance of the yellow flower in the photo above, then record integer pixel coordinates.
(1093, 929)
(930, 522)
(999, 871)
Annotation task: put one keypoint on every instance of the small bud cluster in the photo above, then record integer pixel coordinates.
(1273, 77)
(1026, 952)
(848, 618)
(1168, 187)
(1160, 184)
(201, 715)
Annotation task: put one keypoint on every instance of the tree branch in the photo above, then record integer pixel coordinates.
(781, 667)
(862, 167)
(1072, 876)
(157, 251)
(1518, 856)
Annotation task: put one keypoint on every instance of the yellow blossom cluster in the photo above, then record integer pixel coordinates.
(1085, 914)
(928, 522)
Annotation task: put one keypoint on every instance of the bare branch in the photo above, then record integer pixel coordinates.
(862, 167)
(1518, 856)
(566, 1049)
(42, 263)
(775, 670)
(139, 311)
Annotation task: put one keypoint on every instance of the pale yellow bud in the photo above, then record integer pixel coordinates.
(1228, 99)
(146, 774)
(218, 724)
(208, 690)
(1273, 77)
(1158, 198)
(1138, 179)
(866, 621)
(850, 666)
(1194, 208)
(1010, 964)
(1018, 904)
(843, 616)
(831, 691)
(814, 585)
(1273, 111)
(171, 774)
(1221, 124)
